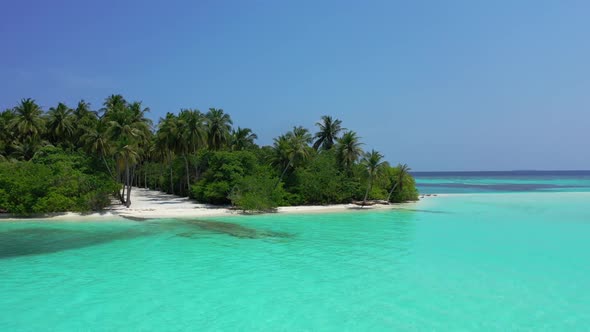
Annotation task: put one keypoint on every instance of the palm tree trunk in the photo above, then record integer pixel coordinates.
(171, 182)
(188, 184)
(120, 193)
(367, 192)
(129, 184)
(121, 180)
(125, 182)
(284, 171)
(391, 191)
(196, 163)
(128, 200)
(107, 166)
(161, 178)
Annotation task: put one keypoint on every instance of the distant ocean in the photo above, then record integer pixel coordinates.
(502, 181)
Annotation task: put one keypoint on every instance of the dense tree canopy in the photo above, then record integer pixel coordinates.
(187, 153)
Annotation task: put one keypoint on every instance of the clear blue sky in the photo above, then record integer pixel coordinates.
(440, 85)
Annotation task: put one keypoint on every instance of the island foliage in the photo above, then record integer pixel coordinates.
(78, 159)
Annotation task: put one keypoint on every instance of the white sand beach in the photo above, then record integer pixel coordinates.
(150, 204)
(154, 204)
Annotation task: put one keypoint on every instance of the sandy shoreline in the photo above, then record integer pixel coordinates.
(149, 204)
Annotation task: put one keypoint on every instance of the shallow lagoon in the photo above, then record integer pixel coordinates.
(490, 262)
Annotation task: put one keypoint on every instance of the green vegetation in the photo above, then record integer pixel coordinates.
(76, 159)
(54, 181)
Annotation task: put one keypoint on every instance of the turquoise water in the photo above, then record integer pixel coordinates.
(489, 262)
(503, 182)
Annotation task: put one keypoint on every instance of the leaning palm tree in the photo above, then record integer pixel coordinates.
(372, 161)
(60, 124)
(292, 148)
(402, 172)
(242, 138)
(218, 128)
(348, 150)
(328, 133)
(28, 121)
(281, 158)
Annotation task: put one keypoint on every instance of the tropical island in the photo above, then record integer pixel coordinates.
(80, 159)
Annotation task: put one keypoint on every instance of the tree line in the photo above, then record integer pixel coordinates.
(197, 154)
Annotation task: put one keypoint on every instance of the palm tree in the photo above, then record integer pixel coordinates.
(191, 129)
(6, 135)
(218, 128)
(242, 138)
(28, 121)
(281, 157)
(372, 161)
(161, 154)
(139, 121)
(127, 156)
(2, 150)
(113, 103)
(402, 172)
(167, 141)
(83, 111)
(348, 150)
(26, 149)
(328, 133)
(292, 148)
(147, 151)
(129, 130)
(84, 118)
(60, 125)
(144, 125)
(96, 140)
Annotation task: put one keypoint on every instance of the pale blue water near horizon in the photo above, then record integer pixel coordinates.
(515, 261)
(502, 181)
